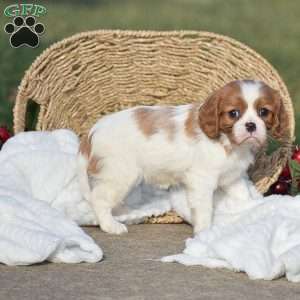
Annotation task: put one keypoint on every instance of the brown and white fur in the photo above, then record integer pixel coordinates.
(198, 147)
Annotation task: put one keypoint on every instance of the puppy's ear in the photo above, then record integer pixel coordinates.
(209, 115)
(280, 119)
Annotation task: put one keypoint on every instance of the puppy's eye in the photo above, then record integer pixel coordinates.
(263, 112)
(234, 114)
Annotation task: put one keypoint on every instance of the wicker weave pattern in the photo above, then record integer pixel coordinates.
(77, 80)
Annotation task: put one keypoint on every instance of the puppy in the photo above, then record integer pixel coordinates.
(199, 147)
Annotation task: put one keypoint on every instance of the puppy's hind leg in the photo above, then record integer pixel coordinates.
(106, 195)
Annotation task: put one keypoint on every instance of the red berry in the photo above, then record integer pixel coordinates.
(285, 173)
(296, 154)
(4, 134)
(280, 187)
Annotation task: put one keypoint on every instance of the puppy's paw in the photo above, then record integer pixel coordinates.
(114, 227)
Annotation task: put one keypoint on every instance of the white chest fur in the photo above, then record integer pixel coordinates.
(235, 166)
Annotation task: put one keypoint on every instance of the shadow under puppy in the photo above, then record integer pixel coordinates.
(200, 147)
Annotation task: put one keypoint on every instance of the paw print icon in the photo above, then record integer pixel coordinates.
(24, 32)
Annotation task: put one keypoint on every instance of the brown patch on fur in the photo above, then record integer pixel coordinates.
(277, 119)
(213, 114)
(151, 120)
(85, 148)
(93, 166)
(191, 124)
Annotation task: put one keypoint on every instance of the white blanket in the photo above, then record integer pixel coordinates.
(34, 167)
(262, 240)
(40, 199)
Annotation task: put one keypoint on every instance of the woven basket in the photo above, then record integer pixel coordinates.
(81, 78)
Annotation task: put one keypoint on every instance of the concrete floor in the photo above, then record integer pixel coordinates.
(125, 273)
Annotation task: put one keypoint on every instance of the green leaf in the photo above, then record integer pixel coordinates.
(295, 174)
(294, 165)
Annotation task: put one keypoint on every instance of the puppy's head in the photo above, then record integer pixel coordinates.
(245, 111)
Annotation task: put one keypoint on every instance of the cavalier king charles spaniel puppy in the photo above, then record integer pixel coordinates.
(200, 147)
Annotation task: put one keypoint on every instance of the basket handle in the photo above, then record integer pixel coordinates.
(19, 113)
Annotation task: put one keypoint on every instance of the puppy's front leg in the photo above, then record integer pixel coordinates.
(200, 191)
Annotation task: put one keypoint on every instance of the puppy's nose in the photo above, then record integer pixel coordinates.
(250, 126)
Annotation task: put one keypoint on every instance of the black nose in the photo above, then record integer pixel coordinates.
(250, 126)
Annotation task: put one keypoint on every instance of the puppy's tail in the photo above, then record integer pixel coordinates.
(82, 167)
